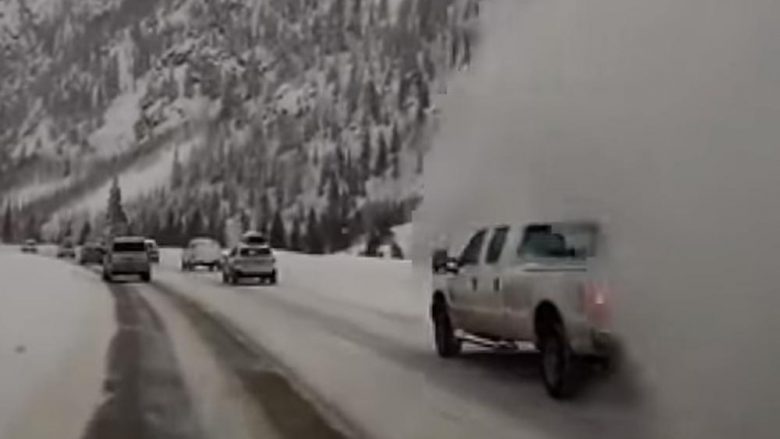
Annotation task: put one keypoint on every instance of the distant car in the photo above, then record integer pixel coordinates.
(201, 252)
(254, 238)
(30, 246)
(127, 255)
(530, 283)
(91, 253)
(250, 261)
(153, 250)
(66, 249)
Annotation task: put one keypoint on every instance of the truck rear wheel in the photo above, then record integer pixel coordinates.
(447, 344)
(560, 368)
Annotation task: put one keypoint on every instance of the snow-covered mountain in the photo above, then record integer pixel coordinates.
(213, 111)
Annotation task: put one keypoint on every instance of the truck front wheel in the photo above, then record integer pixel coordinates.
(447, 344)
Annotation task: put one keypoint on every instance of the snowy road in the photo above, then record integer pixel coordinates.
(195, 358)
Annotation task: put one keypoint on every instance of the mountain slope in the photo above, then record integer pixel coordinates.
(316, 110)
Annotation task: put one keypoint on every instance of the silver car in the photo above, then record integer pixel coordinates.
(127, 256)
(531, 283)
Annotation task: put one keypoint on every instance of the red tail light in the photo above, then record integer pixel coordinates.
(595, 303)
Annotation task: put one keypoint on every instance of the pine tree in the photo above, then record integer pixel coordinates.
(381, 158)
(176, 171)
(278, 234)
(423, 98)
(115, 214)
(295, 236)
(314, 243)
(8, 224)
(86, 230)
(195, 225)
(365, 156)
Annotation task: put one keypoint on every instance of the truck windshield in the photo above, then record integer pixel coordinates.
(559, 241)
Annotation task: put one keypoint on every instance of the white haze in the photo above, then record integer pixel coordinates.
(661, 119)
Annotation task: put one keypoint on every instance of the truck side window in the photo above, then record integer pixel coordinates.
(470, 255)
(496, 244)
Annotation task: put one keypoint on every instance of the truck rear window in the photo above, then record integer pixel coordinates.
(129, 247)
(255, 252)
(559, 241)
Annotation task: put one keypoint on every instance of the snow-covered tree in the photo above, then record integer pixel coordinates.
(86, 230)
(381, 158)
(116, 219)
(8, 224)
(278, 236)
(314, 241)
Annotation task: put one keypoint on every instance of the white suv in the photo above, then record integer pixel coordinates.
(249, 261)
(532, 283)
(201, 252)
(127, 255)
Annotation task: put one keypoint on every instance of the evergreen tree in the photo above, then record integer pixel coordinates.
(278, 234)
(176, 171)
(86, 230)
(32, 231)
(195, 225)
(296, 243)
(423, 98)
(365, 156)
(8, 224)
(115, 214)
(314, 242)
(381, 158)
(395, 153)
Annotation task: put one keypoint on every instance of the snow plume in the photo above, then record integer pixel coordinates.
(660, 119)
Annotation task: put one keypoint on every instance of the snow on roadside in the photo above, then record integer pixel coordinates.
(54, 334)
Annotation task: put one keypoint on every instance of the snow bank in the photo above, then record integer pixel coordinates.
(55, 325)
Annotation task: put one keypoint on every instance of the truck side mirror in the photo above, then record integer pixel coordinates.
(452, 265)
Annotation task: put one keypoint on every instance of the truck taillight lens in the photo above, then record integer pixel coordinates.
(595, 303)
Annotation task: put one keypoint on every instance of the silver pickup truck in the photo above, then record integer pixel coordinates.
(531, 283)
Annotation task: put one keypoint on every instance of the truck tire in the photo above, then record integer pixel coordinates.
(225, 278)
(272, 278)
(447, 344)
(107, 277)
(560, 368)
(146, 276)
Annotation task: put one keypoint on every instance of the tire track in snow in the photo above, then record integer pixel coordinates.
(146, 397)
(292, 414)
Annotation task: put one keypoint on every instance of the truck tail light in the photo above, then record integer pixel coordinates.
(595, 303)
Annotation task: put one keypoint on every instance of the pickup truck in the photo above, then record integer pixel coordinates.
(533, 283)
